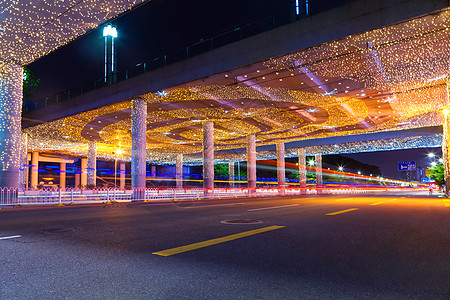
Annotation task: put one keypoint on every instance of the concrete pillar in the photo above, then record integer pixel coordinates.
(34, 169)
(302, 167)
(445, 141)
(138, 142)
(231, 173)
(10, 122)
(92, 164)
(208, 157)
(251, 163)
(122, 175)
(318, 163)
(77, 180)
(153, 171)
(83, 176)
(179, 170)
(281, 169)
(23, 167)
(62, 175)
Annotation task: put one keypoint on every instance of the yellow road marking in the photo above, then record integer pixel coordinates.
(446, 203)
(378, 203)
(395, 199)
(341, 211)
(207, 243)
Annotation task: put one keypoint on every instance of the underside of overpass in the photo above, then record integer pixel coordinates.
(388, 86)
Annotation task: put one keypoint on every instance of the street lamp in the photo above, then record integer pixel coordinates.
(110, 33)
(430, 155)
(341, 168)
(433, 163)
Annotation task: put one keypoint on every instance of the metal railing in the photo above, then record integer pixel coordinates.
(16, 197)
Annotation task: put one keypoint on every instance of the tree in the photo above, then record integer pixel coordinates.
(30, 82)
(437, 173)
(221, 170)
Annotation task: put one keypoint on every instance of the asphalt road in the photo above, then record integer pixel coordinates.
(390, 246)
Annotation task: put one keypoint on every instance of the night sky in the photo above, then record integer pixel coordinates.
(162, 26)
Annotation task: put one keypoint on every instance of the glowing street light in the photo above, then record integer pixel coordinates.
(311, 162)
(110, 30)
(433, 163)
(441, 160)
(341, 168)
(359, 172)
(110, 33)
(430, 155)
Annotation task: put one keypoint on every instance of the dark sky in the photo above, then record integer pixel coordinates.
(163, 26)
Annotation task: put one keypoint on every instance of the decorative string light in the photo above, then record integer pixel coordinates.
(32, 29)
(381, 80)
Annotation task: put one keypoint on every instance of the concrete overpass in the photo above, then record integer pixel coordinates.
(357, 69)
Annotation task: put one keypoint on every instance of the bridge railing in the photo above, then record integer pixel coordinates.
(17, 197)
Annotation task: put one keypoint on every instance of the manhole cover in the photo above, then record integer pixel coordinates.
(241, 221)
(58, 230)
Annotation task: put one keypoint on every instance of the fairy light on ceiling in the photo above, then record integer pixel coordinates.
(381, 80)
(32, 29)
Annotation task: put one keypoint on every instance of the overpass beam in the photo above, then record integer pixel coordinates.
(10, 122)
(92, 164)
(179, 170)
(208, 158)
(302, 168)
(281, 169)
(318, 161)
(139, 143)
(251, 163)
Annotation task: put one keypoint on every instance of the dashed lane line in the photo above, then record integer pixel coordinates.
(341, 211)
(272, 207)
(377, 203)
(207, 243)
(216, 205)
(10, 237)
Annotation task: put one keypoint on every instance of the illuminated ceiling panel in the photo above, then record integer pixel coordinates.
(392, 78)
(30, 29)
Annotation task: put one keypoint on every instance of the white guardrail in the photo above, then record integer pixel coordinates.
(12, 196)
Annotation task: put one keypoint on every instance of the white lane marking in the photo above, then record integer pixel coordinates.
(10, 237)
(273, 207)
(215, 205)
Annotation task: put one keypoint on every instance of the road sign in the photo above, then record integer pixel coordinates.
(406, 165)
(427, 180)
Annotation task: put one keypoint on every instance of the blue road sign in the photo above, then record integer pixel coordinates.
(406, 165)
(427, 180)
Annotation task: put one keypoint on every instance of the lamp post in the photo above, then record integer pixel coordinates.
(110, 33)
